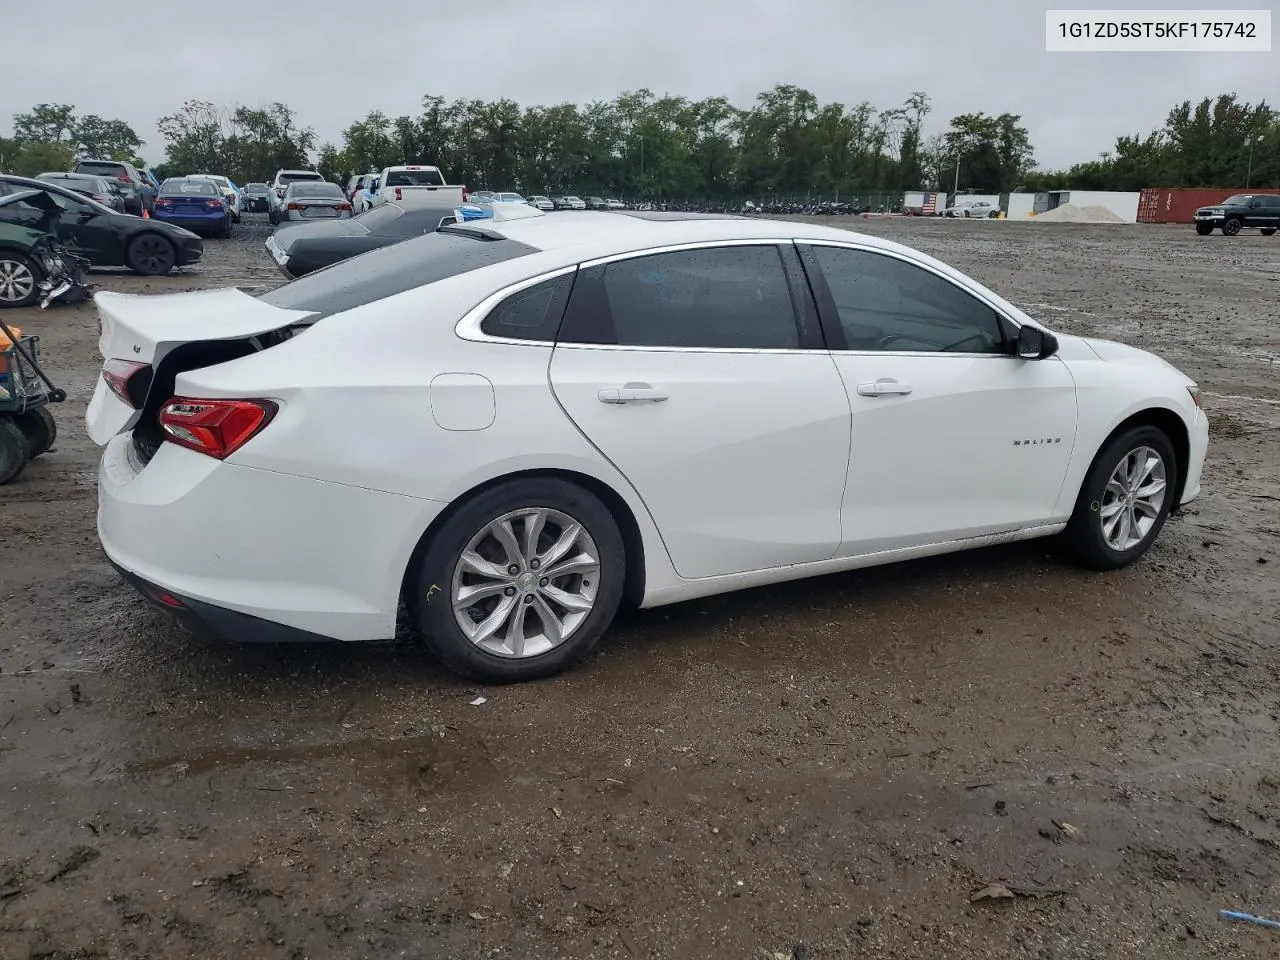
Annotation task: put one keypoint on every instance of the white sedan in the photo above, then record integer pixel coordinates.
(514, 424)
(977, 208)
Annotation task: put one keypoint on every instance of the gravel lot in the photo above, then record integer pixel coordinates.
(837, 763)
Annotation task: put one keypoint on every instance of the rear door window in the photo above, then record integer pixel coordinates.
(732, 297)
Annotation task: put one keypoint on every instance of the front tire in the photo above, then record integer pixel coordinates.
(1231, 227)
(150, 255)
(1267, 231)
(1204, 229)
(1124, 500)
(19, 280)
(520, 583)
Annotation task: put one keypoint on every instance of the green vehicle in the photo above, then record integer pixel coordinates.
(24, 253)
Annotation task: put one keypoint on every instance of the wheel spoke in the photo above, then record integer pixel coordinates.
(551, 624)
(506, 537)
(1151, 489)
(469, 596)
(474, 563)
(568, 537)
(1116, 489)
(487, 627)
(515, 632)
(580, 564)
(1145, 508)
(573, 602)
(1111, 509)
(1123, 528)
(1149, 464)
(533, 525)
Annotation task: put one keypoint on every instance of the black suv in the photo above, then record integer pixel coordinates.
(132, 184)
(1260, 210)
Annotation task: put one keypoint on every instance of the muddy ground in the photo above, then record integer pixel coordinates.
(838, 763)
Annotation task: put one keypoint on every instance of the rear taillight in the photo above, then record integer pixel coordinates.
(213, 203)
(161, 202)
(216, 428)
(294, 206)
(399, 195)
(342, 206)
(466, 194)
(124, 179)
(128, 380)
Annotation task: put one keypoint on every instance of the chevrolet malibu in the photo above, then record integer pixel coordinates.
(516, 424)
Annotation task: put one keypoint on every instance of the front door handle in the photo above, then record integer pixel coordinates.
(632, 393)
(884, 387)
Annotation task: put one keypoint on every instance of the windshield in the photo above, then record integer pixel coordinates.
(256, 188)
(1239, 200)
(415, 178)
(307, 189)
(64, 201)
(390, 270)
(220, 181)
(105, 169)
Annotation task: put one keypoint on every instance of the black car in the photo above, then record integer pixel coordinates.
(1244, 210)
(595, 203)
(302, 248)
(106, 192)
(104, 236)
(254, 198)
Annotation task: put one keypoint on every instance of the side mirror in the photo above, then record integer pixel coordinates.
(1036, 344)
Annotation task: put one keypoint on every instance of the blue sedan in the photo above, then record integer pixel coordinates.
(195, 204)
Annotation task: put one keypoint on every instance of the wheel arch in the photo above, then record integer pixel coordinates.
(628, 527)
(1170, 423)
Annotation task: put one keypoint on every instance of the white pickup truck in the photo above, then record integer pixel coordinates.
(412, 185)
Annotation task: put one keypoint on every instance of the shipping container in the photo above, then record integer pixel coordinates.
(1179, 204)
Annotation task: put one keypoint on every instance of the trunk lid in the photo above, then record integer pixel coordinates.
(144, 329)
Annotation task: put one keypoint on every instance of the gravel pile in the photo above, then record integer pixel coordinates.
(1070, 213)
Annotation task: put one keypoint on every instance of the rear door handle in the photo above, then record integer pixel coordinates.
(884, 387)
(632, 393)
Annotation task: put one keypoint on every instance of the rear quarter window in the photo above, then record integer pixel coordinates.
(394, 269)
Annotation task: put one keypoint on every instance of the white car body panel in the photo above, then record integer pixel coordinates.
(760, 481)
(752, 471)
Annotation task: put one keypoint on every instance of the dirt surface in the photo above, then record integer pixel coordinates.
(838, 763)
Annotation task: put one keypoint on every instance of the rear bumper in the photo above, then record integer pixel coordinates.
(235, 545)
(195, 224)
(198, 617)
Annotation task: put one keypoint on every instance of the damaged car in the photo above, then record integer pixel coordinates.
(36, 268)
(103, 236)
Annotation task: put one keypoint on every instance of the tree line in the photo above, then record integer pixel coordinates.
(786, 143)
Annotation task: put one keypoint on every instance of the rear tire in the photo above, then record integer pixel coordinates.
(14, 450)
(1099, 534)
(150, 255)
(1204, 229)
(1231, 227)
(521, 645)
(224, 232)
(40, 429)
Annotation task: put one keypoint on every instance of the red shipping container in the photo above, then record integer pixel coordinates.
(1179, 204)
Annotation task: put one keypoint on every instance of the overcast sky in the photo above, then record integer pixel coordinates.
(333, 62)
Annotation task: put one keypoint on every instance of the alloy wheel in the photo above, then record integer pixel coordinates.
(16, 281)
(1133, 498)
(526, 582)
(153, 255)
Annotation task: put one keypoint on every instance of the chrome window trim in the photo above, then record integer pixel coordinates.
(468, 328)
(981, 298)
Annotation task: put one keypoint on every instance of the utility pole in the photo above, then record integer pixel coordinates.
(1248, 177)
(956, 189)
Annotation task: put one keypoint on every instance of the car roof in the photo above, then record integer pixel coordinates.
(601, 233)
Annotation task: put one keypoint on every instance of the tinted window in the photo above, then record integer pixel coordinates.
(379, 219)
(732, 297)
(888, 304)
(415, 178)
(297, 175)
(415, 222)
(1273, 203)
(393, 269)
(105, 169)
(531, 314)
(316, 190)
(199, 188)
